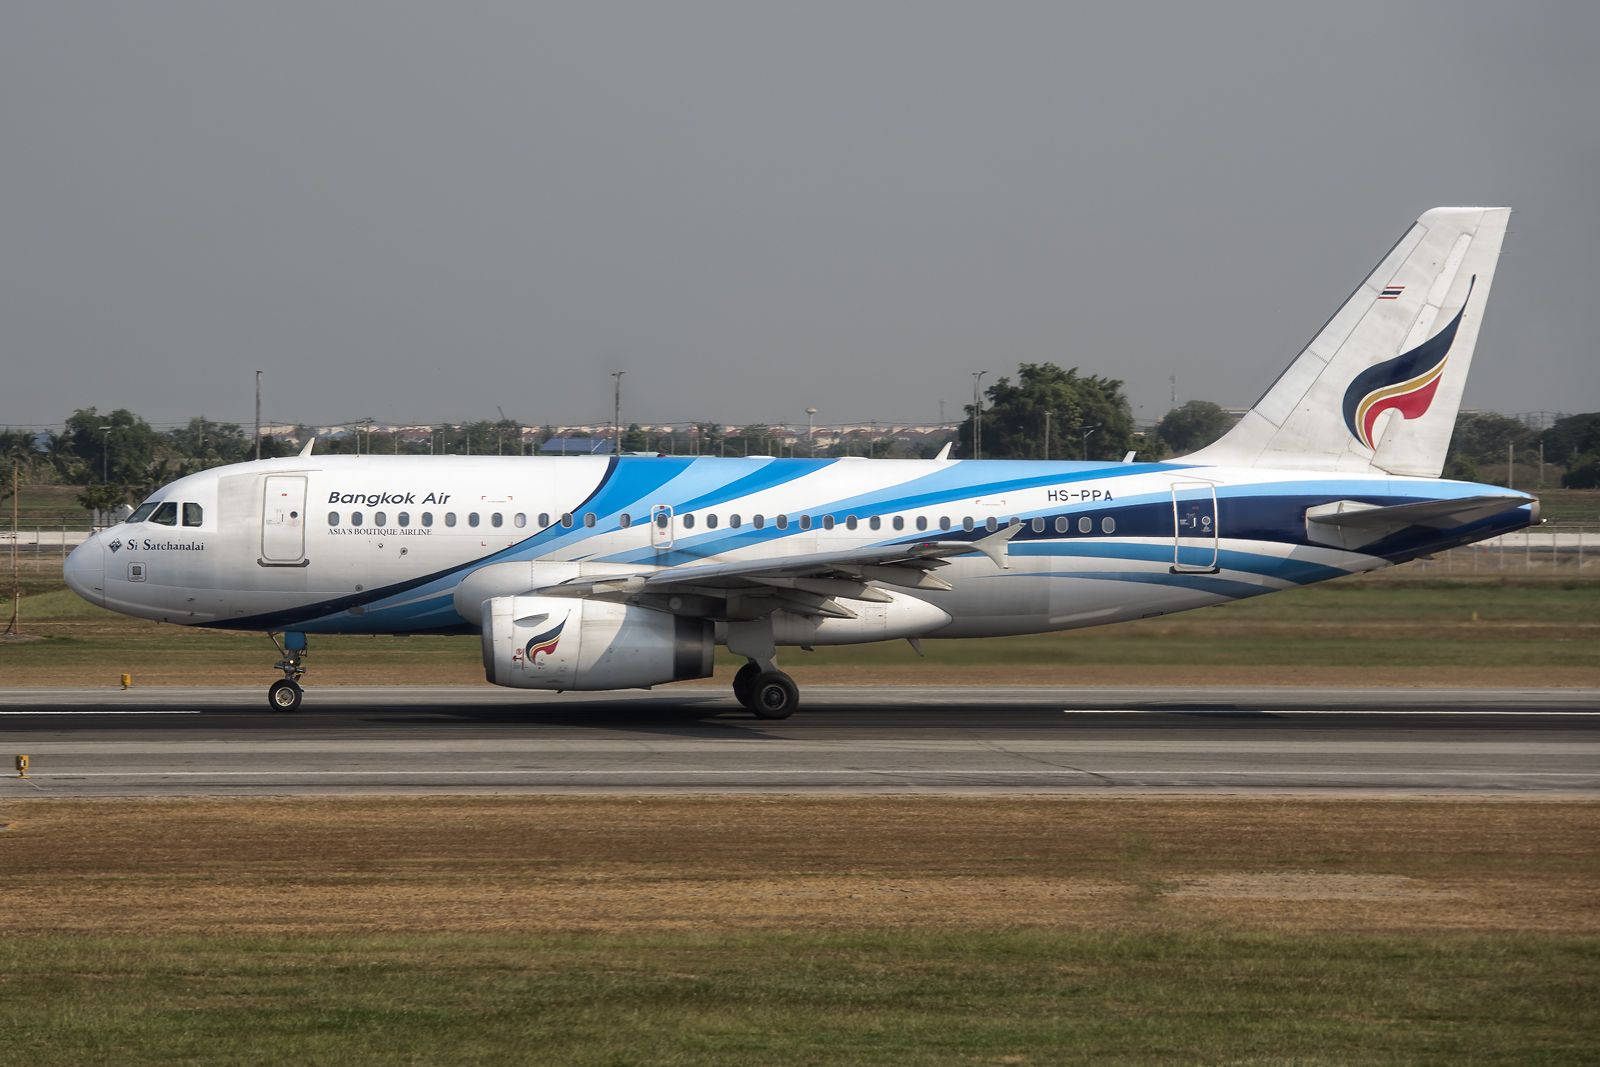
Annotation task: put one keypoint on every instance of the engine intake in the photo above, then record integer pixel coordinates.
(541, 642)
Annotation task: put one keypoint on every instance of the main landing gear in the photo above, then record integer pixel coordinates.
(286, 694)
(769, 693)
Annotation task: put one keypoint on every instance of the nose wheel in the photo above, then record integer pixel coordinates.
(769, 694)
(285, 695)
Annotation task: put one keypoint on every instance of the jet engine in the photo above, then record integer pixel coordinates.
(543, 642)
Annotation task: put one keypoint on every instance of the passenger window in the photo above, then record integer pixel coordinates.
(427, 518)
(497, 520)
(193, 515)
(566, 519)
(711, 521)
(522, 520)
(899, 522)
(333, 518)
(922, 522)
(1085, 524)
(472, 518)
(1108, 525)
(735, 520)
(805, 522)
(449, 518)
(759, 521)
(404, 518)
(588, 518)
(966, 523)
(166, 514)
(1061, 524)
(624, 520)
(991, 524)
(783, 522)
(380, 519)
(355, 518)
(944, 522)
(1038, 526)
(850, 522)
(143, 513)
(875, 522)
(544, 519)
(688, 522)
(827, 522)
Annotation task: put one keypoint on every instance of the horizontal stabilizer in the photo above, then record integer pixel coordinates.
(1351, 524)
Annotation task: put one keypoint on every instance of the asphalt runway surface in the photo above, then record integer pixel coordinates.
(888, 739)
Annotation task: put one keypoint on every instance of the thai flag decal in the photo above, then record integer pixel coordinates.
(1405, 384)
(1391, 292)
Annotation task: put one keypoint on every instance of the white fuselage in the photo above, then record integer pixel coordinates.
(377, 544)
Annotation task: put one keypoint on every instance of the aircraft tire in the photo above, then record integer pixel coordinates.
(774, 695)
(744, 682)
(284, 696)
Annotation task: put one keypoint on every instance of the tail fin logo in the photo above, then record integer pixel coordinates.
(1405, 384)
(543, 644)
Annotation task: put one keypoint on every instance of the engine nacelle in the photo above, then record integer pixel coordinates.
(542, 642)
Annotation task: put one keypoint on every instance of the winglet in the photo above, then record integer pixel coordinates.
(994, 545)
(306, 451)
(944, 453)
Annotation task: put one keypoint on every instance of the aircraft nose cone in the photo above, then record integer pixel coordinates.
(85, 571)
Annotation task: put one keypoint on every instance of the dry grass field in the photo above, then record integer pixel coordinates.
(730, 930)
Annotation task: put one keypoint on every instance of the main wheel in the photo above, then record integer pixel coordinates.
(744, 682)
(774, 695)
(284, 695)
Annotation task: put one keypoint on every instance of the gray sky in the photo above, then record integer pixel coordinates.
(422, 211)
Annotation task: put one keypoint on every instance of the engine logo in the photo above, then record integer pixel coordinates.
(543, 644)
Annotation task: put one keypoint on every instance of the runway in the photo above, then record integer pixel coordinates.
(224, 741)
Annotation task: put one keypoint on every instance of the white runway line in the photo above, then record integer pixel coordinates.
(1324, 711)
(129, 711)
(778, 771)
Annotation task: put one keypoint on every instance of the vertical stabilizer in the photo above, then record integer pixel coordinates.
(1378, 388)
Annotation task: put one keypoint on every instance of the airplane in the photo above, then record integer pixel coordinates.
(621, 572)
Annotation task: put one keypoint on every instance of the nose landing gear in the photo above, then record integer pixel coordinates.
(285, 695)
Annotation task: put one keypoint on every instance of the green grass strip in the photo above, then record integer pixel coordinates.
(877, 997)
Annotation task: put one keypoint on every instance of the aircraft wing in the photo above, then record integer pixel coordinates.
(810, 584)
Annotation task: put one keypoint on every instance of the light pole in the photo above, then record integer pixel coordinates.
(977, 415)
(811, 440)
(616, 412)
(258, 415)
(105, 453)
(1086, 435)
(1047, 435)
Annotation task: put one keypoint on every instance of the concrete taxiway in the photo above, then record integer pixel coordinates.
(218, 741)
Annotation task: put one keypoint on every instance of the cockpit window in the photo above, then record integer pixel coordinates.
(193, 515)
(144, 511)
(166, 514)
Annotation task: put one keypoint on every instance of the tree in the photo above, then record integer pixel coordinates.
(1571, 436)
(117, 447)
(1484, 437)
(1584, 473)
(1193, 426)
(1089, 416)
